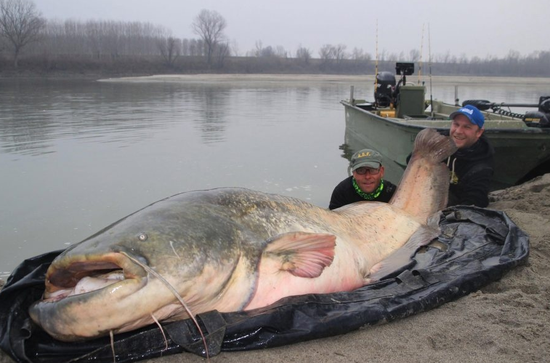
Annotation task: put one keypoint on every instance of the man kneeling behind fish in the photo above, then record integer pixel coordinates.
(234, 249)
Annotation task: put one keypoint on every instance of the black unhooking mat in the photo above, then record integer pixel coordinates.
(476, 246)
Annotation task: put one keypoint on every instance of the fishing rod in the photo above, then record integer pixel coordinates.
(420, 61)
(376, 65)
(430, 69)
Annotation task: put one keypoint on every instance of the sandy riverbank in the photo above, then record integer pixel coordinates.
(347, 79)
(507, 321)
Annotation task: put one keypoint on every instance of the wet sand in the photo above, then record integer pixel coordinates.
(506, 321)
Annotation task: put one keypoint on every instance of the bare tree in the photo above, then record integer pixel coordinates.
(463, 59)
(192, 47)
(223, 50)
(401, 56)
(267, 52)
(234, 46)
(258, 47)
(20, 24)
(209, 25)
(513, 57)
(339, 52)
(170, 50)
(414, 55)
(304, 54)
(359, 55)
(281, 52)
(444, 58)
(196, 47)
(326, 53)
(393, 57)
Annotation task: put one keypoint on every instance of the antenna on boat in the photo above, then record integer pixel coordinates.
(430, 68)
(420, 61)
(376, 65)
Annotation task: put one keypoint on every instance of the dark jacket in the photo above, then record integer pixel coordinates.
(344, 194)
(473, 168)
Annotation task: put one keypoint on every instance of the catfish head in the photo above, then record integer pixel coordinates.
(111, 281)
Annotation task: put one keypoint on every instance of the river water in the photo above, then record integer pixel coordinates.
(77, 155)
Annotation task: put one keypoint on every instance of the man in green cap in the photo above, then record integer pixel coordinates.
(366, 183)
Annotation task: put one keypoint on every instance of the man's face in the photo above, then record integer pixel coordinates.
(463, 132)
(368, 179)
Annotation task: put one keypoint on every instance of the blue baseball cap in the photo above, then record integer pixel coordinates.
(474, 115)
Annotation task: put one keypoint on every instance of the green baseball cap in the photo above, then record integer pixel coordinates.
(366, 158)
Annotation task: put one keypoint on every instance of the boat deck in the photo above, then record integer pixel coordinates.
(439, 118)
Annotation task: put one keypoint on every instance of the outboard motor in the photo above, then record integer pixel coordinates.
(385, 85)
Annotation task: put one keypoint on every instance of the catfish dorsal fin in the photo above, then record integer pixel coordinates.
(302, 254)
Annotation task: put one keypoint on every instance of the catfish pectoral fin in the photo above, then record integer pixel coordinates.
(302, 254)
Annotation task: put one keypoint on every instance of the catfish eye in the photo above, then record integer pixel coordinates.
(142, 237)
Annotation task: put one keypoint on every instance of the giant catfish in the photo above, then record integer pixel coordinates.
(235, 249)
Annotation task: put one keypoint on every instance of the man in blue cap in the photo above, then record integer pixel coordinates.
(472, 164)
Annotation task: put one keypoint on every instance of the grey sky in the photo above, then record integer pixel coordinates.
(469, 27)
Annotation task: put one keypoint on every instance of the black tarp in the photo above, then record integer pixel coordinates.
(476, 246)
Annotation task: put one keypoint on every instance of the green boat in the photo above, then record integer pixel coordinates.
(400, 111)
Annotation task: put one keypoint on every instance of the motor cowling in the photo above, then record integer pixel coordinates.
(544, 104)
(540, 118)
(537, 119)
(385, 85)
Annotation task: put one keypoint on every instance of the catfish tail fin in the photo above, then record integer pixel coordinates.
(433, 146)
(424, 187)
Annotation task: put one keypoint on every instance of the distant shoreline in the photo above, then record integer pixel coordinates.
(331, 78)
(265, 77)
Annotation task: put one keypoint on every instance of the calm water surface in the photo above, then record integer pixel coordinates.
(76, 156)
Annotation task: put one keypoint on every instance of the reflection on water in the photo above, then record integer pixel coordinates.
(76, 156)
(37, 114)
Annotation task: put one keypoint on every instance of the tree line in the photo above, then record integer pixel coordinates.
(28, 41)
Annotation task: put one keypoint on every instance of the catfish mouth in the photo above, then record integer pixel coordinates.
(87, 296)
(76, 276)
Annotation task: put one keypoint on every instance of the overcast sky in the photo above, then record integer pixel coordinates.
(465, 27)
